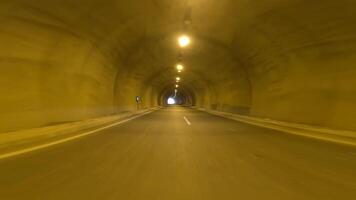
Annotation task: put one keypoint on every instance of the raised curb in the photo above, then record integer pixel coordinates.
(29, 137)
(345, 137)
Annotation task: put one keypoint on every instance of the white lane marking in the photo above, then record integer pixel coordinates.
(186, 120)
(30, 149)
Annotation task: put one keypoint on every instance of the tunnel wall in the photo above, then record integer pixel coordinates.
(318, 91)
(233, 92)
(313, 84)
(307, 72)
(299, 59)
(54, 74)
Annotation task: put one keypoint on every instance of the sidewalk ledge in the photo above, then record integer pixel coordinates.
(321, 133)
(23, 138)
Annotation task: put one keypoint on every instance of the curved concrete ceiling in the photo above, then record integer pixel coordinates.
(65, 60)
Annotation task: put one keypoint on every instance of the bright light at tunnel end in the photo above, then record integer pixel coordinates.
(171, 101)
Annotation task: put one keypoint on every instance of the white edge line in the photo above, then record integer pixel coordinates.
(30, 149)
(186, 120)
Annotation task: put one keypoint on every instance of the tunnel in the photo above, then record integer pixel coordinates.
(71, 61)
(285, 60)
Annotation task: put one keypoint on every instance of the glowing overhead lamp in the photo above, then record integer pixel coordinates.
(183, 41)
(178, 79)
(180, 67)
(177, 86)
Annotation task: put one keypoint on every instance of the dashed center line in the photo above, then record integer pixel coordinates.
(186, 120)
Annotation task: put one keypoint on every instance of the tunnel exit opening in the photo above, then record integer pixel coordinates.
(182, 96)
(171, 101)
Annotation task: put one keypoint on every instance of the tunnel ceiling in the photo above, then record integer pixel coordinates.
(246, 56)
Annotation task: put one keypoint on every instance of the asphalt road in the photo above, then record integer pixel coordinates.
(161, 157)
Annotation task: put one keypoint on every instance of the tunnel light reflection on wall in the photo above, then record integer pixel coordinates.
(171, 101)
(183, 41)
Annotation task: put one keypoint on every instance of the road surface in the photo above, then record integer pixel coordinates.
(180, 153)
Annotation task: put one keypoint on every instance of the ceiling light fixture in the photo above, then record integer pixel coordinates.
(184, 41)
(180, 67)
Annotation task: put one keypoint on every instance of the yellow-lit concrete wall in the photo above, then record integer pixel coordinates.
(298, 59)
(301, 60)
(51, 73)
